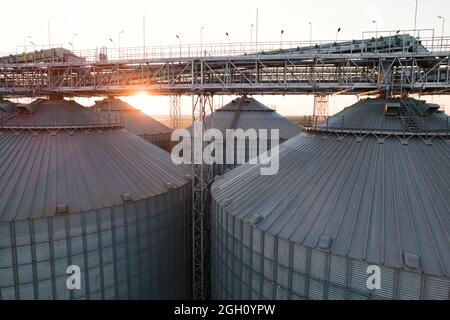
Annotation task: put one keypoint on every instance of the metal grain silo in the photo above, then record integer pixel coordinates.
(137, 122)
(103, 199)
(344, 199)
(248, 113)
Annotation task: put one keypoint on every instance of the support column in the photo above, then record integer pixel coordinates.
(175, 112)
(320, 112)
(202, 176)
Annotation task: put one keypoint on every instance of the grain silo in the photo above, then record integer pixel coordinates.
(73, 192)
(137, 122)
(248, 113)
(370, 189)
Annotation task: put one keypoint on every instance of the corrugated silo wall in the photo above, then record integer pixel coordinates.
(248, 263)
(138, 250)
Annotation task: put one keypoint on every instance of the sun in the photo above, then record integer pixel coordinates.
(148, 103)
(140, 100)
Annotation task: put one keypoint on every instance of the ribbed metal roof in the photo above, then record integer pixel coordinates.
(51, 113)
(375, 202)
(247, 113)
(113, 104)
(82, 171)
(7, 106)
(246, 104)
(133, 119)
(369, 114)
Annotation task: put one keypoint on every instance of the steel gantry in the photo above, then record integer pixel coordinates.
(202, 176)
(175, 112)
(277, 74)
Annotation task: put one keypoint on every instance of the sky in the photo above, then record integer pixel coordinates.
(90, 24)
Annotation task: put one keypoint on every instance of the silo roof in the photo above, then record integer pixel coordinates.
(113, 104)
(241, 114)
(81, 171)
(375, 202)
(246, 104)
(7, 106)
(369, 114)
(54, 113)
(134, 120)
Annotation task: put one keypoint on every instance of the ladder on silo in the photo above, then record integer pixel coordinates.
(411, 120)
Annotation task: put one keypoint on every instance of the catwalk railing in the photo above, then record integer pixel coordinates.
(391, 43)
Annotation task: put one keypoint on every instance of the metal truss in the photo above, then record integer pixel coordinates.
(320, 111)
(202, 176)
(175, 112)
(381, 134)
(279, 73)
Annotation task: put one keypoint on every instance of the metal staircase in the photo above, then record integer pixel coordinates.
(409, 114)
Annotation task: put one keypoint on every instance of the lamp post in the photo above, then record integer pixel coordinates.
(179, 42)
(34, 48)
(442, 32)
(72, 39)
(376, 28)
(120, 33)
(281, 39)
(415, 18)
(337, 33)
(25, 42)
(143, 34)
(251, 35)
(310, 33)
(201, 40)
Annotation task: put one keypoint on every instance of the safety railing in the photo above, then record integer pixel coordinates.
(342, 125)
(401, 43)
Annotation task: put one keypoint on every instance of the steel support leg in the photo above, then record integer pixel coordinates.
(175, 112)
(202, 176)
(320, 112)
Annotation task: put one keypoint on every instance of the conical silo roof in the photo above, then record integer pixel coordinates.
(107, 201)
(134, 120)
(248, 113)
(82, 171)
(341, 203)
(401, 114)
(55, 113)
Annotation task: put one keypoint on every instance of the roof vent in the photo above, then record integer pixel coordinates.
(255, 219)
(187, 176)
(412, 260)
(61, 209)
(170, 185)
(127, 197)
(25, 108)
(325, 242)
(392, 109)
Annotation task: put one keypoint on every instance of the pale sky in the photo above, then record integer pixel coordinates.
(96, 21)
